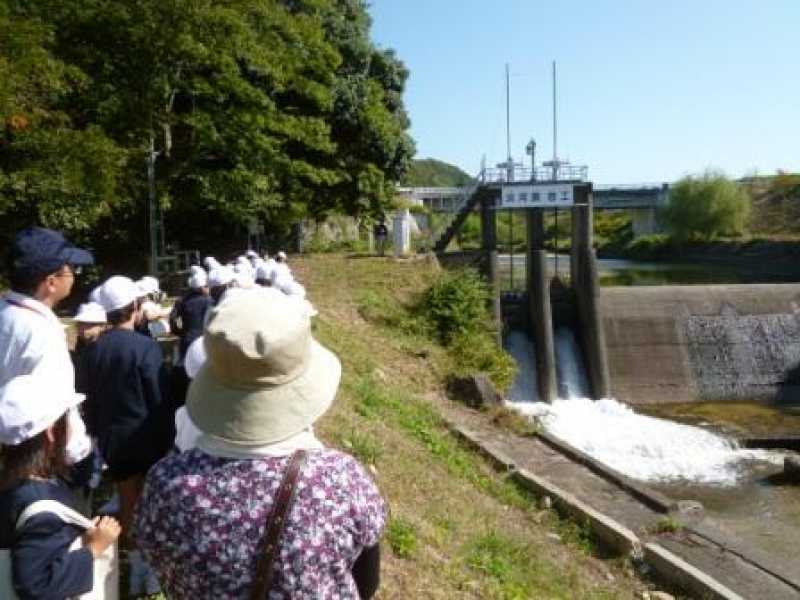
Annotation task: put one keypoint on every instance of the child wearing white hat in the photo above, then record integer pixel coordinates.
(90, 322)
(186, 321)
(128, 407)
(220, 279)
(52, 550)
(153, 319)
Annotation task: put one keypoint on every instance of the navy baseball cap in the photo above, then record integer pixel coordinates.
(38, 250)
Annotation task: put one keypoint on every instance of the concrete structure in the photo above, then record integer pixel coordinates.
(401, 233)
(643, 201)
(690, 343)
(585, 284)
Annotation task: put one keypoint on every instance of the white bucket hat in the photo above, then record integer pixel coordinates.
(210, 262)
(266, 378)
(117, 292)
(91, 312)
(220, 275)
(149, 285)
(31, 403)
(198, 279)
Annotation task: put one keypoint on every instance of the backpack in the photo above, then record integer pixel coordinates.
(106, 566)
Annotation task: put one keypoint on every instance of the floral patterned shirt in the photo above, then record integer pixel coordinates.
(201, 520)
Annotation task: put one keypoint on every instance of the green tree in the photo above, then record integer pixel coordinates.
(706, 206)
(268, 109)
(54, 170)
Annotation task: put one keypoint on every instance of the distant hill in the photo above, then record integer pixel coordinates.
(429, 172)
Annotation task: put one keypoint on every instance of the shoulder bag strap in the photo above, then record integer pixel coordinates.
(275, 524)
(62, 511)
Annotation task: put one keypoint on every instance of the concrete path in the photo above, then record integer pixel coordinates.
(702, 543)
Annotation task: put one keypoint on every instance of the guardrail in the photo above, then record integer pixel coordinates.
(564, 173)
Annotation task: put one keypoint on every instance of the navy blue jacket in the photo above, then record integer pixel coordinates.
(127, 402)
(188, 317)
(42, 565)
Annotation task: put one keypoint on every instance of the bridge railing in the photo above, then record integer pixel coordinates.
(564, 173)
(608, 187)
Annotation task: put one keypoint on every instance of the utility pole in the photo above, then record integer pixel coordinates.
(555, 127)
(152, 207)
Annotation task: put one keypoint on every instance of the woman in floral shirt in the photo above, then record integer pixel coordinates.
(203, 515)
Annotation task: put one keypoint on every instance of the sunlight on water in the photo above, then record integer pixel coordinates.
(642, 447)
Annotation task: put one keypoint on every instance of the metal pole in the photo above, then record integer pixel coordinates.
(508, 117)
(151, 207)
(555, 127)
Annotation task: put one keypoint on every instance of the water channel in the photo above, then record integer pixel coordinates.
(613, 271)
(685, 451)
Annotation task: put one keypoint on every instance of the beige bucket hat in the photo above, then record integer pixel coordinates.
(266, 378)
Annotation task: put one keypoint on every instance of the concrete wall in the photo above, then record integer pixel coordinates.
(689, 343)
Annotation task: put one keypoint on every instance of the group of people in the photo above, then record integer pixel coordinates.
(223, 489)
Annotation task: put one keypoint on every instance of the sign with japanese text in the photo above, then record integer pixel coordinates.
(536, 195)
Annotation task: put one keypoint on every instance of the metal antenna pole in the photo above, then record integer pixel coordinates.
(508, 117)
(555, 127)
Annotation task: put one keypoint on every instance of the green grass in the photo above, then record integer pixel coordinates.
(667, 524)
(421, 421)
(444, 498)
(402, 537)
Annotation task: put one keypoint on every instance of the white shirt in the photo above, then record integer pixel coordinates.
(31, 336)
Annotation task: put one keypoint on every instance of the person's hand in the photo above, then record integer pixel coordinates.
(105, 531)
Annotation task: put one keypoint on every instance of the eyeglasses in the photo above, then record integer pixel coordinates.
(69, 272)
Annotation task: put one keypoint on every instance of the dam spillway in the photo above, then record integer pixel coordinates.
(675, 344)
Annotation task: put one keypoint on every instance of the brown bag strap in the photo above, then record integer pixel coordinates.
(275, 524)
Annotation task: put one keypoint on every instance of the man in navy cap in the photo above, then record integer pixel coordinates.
(42, 271)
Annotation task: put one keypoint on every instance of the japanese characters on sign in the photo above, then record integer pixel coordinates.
(536, 195)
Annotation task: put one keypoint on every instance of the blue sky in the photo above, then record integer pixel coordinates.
(648, 90)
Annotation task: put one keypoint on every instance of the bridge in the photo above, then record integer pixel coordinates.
(643, 200)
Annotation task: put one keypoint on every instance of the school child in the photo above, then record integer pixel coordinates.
(186, 321)
(152, 319)
(40, 537)
(90, 323)
(128, 406)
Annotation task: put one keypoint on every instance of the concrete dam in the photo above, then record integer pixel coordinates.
(697, 343)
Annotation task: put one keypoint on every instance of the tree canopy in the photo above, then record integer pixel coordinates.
(706, 206)
(429, 172)
(268, 109)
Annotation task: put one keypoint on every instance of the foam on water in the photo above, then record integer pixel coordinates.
(642, 447)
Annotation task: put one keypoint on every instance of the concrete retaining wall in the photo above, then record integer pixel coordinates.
(690, 343)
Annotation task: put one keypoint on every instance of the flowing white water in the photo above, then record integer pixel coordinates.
(570, 370)
(642, 447)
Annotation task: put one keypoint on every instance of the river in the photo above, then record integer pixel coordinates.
(624, 272)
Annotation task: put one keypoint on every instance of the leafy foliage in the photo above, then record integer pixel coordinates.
(706, 206)
(456, 303)
(429, 172)
(267, 109)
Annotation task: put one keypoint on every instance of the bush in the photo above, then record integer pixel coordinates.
(478, 352)
(456, 304)
(706, 206)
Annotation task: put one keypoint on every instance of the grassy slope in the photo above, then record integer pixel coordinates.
(458, 529)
